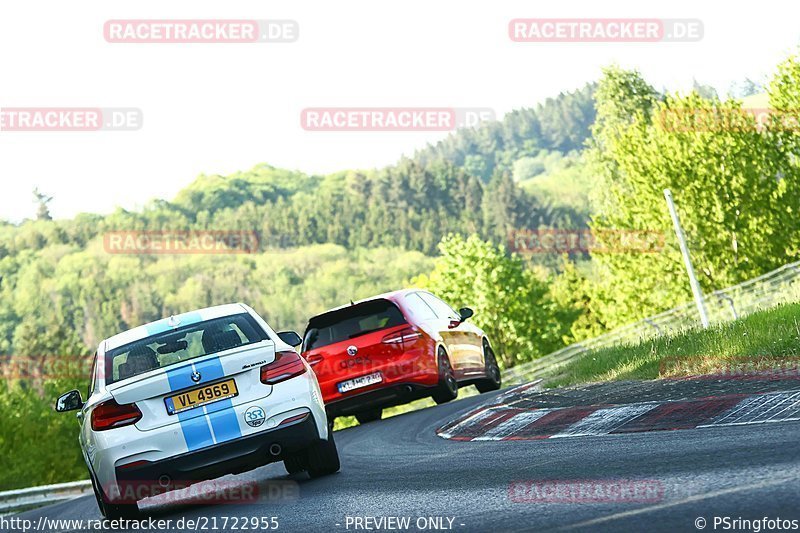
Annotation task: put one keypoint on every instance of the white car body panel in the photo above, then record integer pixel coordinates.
(158, 435)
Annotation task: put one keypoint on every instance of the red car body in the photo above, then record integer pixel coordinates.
(398, 336)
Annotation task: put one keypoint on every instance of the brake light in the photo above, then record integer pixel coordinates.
(294, 419)
(404, 336)
(285, 366)
(135, 464)
(110, 414)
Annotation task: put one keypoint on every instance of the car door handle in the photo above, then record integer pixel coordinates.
(79, 415)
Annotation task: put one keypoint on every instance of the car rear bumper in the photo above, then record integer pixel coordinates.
(230, 457)
(385, 396)
(415, 368)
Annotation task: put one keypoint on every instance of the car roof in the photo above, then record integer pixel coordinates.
(392, 295)
(165, 324)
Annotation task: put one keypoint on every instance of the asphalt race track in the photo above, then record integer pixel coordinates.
(399, 468)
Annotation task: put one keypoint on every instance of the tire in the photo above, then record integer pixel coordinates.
(112, 511)
(493, 380)
(323, 458)
(369, 416)
(447, 389)
(296, 463)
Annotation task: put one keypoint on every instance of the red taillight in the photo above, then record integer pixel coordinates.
(294, 419)
(403, 337)
(110, 414)
(135, 464)
(285, 366)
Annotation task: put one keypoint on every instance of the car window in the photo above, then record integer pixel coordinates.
(350, 322)
(181, 344)
(441, 309)
(419, 308)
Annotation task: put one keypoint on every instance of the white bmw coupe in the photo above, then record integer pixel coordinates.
(193, 397)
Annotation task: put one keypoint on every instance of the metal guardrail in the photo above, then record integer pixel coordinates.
(13, 501)
(780, 286)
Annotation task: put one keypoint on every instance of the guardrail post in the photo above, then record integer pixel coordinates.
(731, 303)
(651, 323)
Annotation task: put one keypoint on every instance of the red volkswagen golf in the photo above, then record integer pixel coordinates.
(394, 348)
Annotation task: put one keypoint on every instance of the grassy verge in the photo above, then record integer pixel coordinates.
(764, 342)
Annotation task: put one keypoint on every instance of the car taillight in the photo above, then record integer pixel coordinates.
(110, 414)
(285, 366)
(402, 337)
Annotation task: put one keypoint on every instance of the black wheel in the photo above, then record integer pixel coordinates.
(114, 511)
(369, 416)
(323, 458)
(296, 463)
(493, 379)
(448, 386)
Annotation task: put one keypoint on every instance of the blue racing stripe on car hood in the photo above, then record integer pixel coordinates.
(220, 416)
(195, 429)
(224, 421)
(180, 378)
(210, 369)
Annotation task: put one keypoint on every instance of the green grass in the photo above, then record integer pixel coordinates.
(759, 342)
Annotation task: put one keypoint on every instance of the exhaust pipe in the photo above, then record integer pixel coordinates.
(275, 449)
(165, 481)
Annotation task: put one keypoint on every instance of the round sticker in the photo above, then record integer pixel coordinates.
(255, 416)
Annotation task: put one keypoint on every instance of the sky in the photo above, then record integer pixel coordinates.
(220, 107)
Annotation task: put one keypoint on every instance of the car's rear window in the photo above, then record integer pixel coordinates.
(350, 322)
(188, 342)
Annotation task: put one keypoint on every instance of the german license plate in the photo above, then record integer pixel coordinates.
(362, 381)
(190, 399)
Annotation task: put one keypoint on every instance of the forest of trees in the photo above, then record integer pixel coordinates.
(561, 124)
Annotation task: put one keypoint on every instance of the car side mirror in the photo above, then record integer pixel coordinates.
(465, 313)
(291, 338)
(70, 401)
